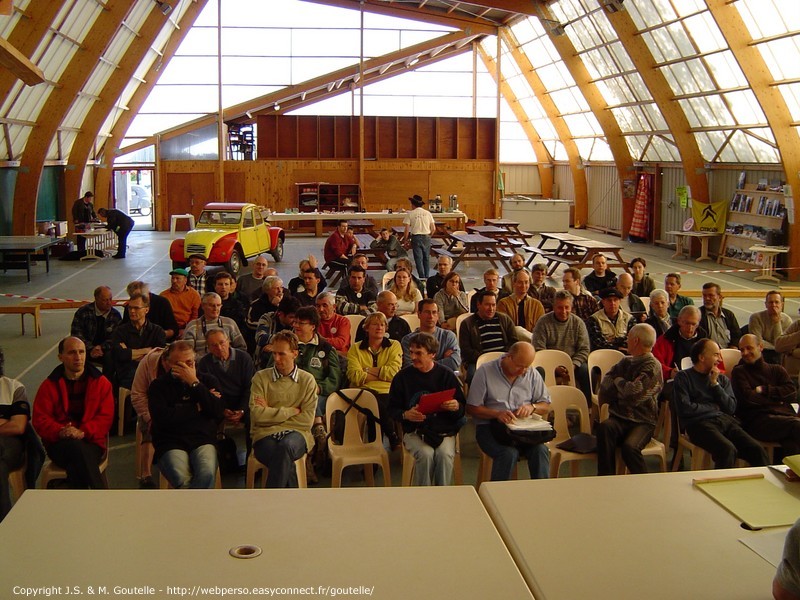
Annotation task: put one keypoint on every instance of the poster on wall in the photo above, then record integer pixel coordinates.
(682, 192)
(628, 189)
(710, 217)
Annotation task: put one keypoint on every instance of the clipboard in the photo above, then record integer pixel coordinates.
(430, 403)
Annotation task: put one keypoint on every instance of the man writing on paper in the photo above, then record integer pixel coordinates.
(506, 389)
(705, 404)
(428, 435)
(630, 388)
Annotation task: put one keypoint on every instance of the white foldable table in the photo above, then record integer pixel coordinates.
(406, 542)
(649, 536)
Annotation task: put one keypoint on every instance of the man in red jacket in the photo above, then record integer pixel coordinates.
(72, 413)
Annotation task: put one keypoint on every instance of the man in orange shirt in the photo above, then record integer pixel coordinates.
(184, 300)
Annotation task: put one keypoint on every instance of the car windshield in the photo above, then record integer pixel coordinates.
(220, 217)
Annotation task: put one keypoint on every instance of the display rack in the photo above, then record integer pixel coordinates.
(328, 197)
(755, 210)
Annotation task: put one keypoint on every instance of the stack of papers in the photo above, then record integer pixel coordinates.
(533, 423)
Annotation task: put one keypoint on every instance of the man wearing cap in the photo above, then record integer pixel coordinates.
(609, 326)
(121, 224)
(199, 279)
(185, 301)
(83, 212)
(419, 229)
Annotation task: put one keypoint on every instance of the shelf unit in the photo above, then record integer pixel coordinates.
(751, 213)
(328, 197)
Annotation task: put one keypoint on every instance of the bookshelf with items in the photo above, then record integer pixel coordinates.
(328, 197)
(756, 214)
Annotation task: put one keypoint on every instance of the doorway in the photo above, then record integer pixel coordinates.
(133, 195)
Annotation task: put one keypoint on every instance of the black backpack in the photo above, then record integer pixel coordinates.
(339, 417)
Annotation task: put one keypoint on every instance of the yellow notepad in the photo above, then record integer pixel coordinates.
(752, 499)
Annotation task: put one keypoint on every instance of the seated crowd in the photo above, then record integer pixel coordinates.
(212, 351)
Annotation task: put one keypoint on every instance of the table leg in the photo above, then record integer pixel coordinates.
(678, 247)
(28, 266)
(47, 258)
(703, 250)
(767, 269)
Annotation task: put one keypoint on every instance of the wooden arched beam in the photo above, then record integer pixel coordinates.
(86, 139)
(56, 107)
(689, 150)
(772, 102)
(599, 107)
(108, 151)
(543, 159)
(28, 34)
(576, 168)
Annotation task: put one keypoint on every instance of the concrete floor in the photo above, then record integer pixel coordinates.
(30, 359)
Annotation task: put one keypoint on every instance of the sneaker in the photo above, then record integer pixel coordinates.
(147, 483)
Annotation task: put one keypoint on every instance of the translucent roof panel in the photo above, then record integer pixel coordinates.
(530, 38)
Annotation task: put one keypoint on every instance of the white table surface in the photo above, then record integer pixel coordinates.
(312, 216)
(406, 542)
(631, 536)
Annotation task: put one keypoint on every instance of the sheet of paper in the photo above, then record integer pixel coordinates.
(768, 545)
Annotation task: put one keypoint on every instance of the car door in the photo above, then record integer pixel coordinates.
(248, 236)
(262, 233)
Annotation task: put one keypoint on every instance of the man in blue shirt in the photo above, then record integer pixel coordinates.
(506, 389)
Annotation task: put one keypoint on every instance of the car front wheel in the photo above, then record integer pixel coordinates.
(234, 264)
(277, 251)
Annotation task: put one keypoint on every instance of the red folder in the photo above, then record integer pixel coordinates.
(430, 403)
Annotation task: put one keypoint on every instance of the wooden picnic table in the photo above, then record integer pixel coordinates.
(509, 239)
(476, 247)
(362, 226)
(441, 230)
(376, 257)
(576, 251)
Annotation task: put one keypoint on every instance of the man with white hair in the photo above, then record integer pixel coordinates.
(659, 318)
(397, 327)
(272, 292)
(248, 287)
(630, 388)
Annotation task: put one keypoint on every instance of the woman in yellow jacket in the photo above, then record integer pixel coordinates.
(372, 364)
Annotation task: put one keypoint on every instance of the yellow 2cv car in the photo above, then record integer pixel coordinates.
(228, 234)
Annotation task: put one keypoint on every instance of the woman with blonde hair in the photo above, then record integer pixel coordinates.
(408, 296)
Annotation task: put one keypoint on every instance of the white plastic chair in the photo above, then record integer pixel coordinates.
(387, 278)
(460, 319)
(549, 360)
(487, 357)
(51, 471)
(124, 394)
(255, 468)
(355, 449)
(730, 358)
(686, 363)
(408, 465)
(563, 398)
(603, 360)
(412, 320)
(355, 320)
(653, 448)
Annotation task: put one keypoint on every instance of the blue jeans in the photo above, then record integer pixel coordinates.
(278, 455)
(196, 469)
(421, 247)
(432, 466)
(505, 457)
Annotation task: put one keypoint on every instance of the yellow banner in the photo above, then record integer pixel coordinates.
(710, 217)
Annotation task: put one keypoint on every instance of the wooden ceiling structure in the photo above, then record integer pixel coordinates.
(75, 73)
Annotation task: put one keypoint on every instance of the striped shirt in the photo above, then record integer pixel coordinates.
(491, 335)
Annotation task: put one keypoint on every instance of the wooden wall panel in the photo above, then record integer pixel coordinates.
(447, 139)
(426, 137)
(485, 144)
(387, 137)
(271, 183)
(267, 144)
(466, 133)
(370, 137)
(287, 137)
(406, 137)
(342, 135)
(307, 137)
(327, 148)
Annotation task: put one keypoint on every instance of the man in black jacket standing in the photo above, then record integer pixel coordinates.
(120, 223)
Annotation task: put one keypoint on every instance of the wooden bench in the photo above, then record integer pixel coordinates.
(442, 252)
(22, 310)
